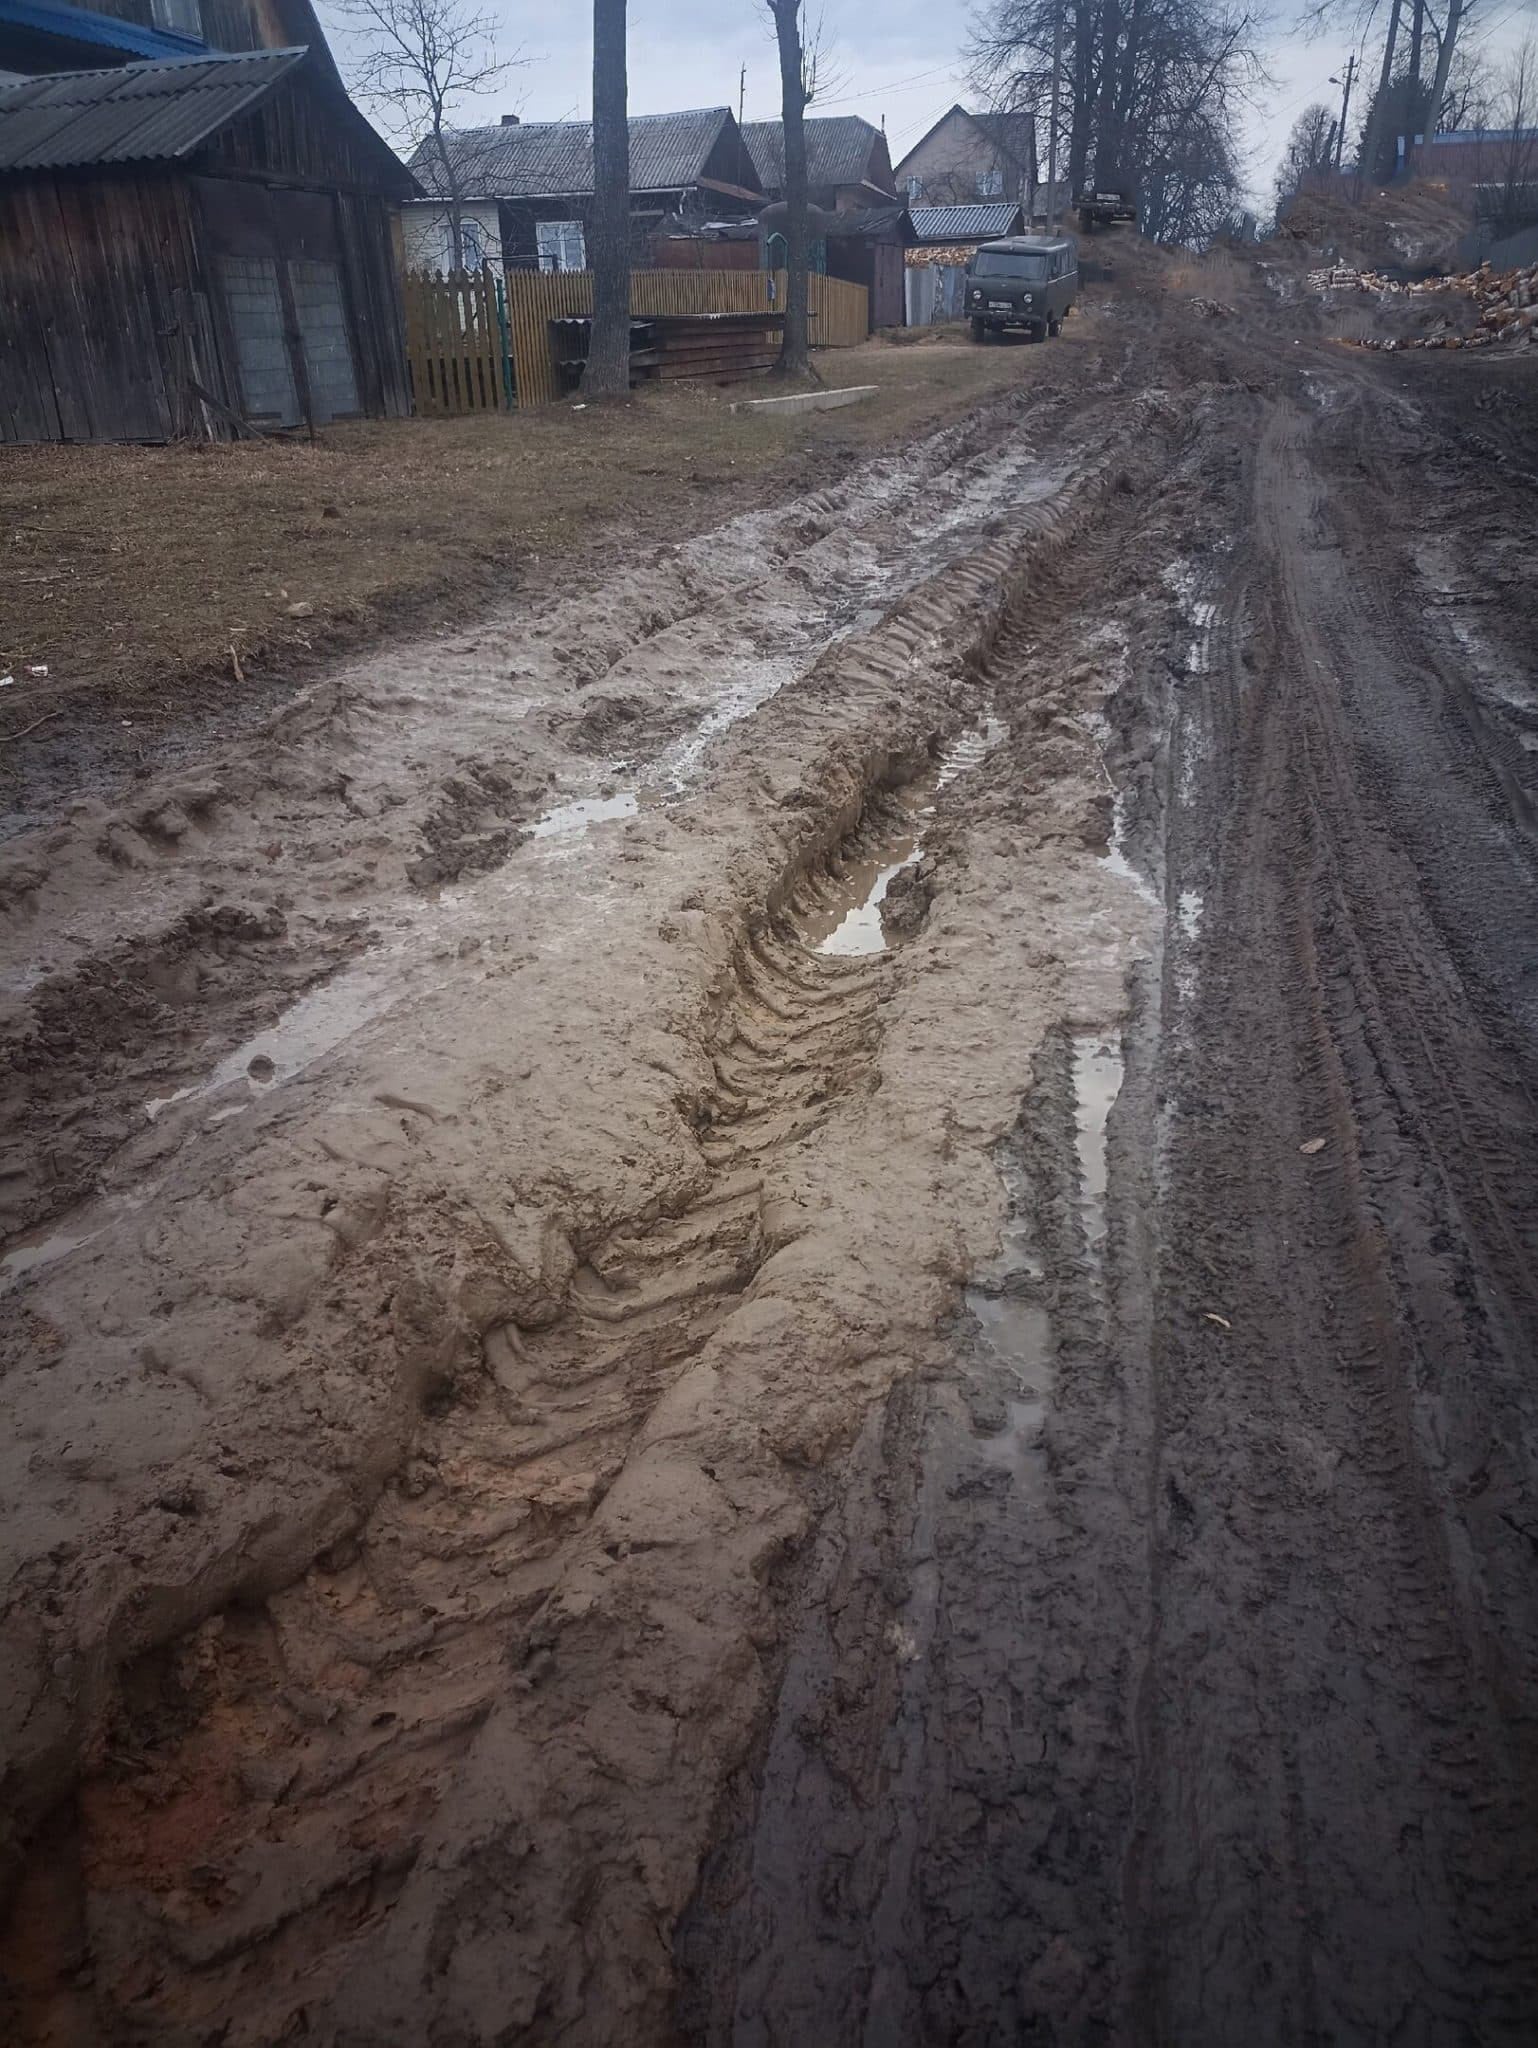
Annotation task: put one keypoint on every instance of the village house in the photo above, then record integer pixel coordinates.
(189, 245)
(847, 164)
(528, 189)
(967, 157)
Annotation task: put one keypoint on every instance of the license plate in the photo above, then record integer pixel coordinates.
(1000, 306)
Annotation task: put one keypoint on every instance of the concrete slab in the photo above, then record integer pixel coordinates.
(808, 401)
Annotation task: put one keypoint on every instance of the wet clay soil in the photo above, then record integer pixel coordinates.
(835, 1346)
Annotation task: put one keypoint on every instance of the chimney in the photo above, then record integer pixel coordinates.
(509, 120)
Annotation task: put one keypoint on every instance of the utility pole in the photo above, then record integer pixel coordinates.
(1057, 72)
(742, 92)
(1345, 102)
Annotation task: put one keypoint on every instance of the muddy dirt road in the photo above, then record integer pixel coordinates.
(795, 1303)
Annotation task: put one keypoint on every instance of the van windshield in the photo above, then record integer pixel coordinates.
(1009, 263)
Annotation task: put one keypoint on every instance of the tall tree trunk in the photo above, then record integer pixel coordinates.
(1107, 141)
(794, 357)
(1082, 112)
(1444, 64)
(1372, 142)
(1414, 116)
(608, 355)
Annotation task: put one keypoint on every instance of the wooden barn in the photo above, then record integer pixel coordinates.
(193, 244)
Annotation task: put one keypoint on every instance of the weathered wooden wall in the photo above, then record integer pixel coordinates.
(96, 275)
(110, 296)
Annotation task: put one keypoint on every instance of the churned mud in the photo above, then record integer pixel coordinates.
(793, 1302)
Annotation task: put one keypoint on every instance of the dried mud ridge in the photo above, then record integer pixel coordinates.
(885, 1498)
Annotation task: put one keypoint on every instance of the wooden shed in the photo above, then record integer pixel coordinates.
(185, 245)
(866, 246)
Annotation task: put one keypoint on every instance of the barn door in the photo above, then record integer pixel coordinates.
(287, 319)
(320, 307)
(254, 307)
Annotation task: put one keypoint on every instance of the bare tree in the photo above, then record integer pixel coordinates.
(416, 61)
(1515, 199)
(1401, 103)
(608, 354)
(1154, 94)
(1469, 96)
(1310, 150)
(798, 55)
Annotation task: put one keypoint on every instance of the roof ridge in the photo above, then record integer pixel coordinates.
(120, 71)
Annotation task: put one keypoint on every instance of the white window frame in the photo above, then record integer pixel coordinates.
(558, 241)
(179, 17)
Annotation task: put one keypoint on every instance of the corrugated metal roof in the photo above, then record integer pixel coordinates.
(838, 150)
(138, 112)
(873, 222)
(82, 25)
(965, 223)
(554, 159)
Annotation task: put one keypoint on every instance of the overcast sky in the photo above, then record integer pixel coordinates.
(897, 61)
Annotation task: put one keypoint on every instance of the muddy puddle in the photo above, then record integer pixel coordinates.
(1013, 1330)
(850, 923)
(843, 917)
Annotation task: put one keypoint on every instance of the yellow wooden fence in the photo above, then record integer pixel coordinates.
(454, 341)
(459, 378)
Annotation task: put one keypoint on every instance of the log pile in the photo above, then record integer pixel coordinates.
(1507, 301)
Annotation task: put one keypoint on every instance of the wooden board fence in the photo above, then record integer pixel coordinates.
(478, 342)
(455, 326)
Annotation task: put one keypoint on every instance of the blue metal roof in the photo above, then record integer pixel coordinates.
(102, 31)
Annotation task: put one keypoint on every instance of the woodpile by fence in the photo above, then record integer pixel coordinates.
(460, 328)
(1507, 301)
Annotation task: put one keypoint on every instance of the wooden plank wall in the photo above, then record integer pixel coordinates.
(90, 276)
(454, 342)
(534, 299)
(455, 346)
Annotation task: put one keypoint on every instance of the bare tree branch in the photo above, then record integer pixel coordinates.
(415, 62)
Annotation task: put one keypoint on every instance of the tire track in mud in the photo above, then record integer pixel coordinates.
(363, 795)
(336, 1750)
(1331, 1838)
(929, 1844)
(1200, 1708)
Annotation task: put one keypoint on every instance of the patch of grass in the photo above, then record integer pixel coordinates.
(133, 573)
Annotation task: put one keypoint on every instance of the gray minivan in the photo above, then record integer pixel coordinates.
(1028, 281)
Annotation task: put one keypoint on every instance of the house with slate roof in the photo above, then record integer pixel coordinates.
(528, 188)
(847, 164)
(972, 158)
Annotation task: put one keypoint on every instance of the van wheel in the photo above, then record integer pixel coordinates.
(979, 331)
(1054, 328)
(1038, 332)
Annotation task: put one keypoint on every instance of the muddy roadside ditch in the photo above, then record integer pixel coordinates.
(409, 1582)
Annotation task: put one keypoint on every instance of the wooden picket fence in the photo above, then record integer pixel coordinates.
(455, 325)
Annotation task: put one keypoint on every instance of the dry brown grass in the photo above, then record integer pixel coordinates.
(133, 572)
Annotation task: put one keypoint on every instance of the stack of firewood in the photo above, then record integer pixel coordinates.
(1507, 302)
